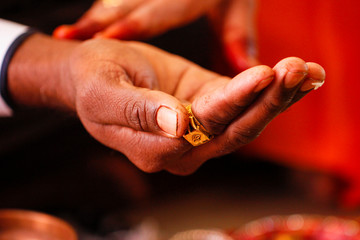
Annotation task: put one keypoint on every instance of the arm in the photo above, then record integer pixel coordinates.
(129, 96)
(11, 36)
(38, 75)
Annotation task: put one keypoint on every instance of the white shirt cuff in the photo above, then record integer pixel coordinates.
(9, 32)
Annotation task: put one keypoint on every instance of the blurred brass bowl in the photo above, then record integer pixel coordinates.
(29, 225)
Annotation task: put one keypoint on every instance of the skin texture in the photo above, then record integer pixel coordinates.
(232, 20)
(117, 88)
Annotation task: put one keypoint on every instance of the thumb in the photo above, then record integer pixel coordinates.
(138, 108)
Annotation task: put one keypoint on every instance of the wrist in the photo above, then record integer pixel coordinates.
(39, 74)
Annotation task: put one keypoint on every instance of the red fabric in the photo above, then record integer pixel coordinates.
(322, 131)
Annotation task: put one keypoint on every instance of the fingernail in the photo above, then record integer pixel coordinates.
(167, 120)
(311, 84)
(292, 79)
(65, 32)
(263, 83)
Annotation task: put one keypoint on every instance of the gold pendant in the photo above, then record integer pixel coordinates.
(196, 133)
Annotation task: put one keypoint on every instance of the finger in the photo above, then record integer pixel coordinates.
(155, 18)
(97, 18)
(138, 108)
(125, 29)
(94, 20)
(216, 109)
(82, 30)
(314, 79)
(289, 75)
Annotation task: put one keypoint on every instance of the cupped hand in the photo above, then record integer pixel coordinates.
(130, 96)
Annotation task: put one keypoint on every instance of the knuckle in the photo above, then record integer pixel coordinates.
(216, 120)
(276, 104)
(240, 137)
(135, 113)
(214, 125)
(294, 63)
(132, 114)
(145, 78)
(272, 106)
